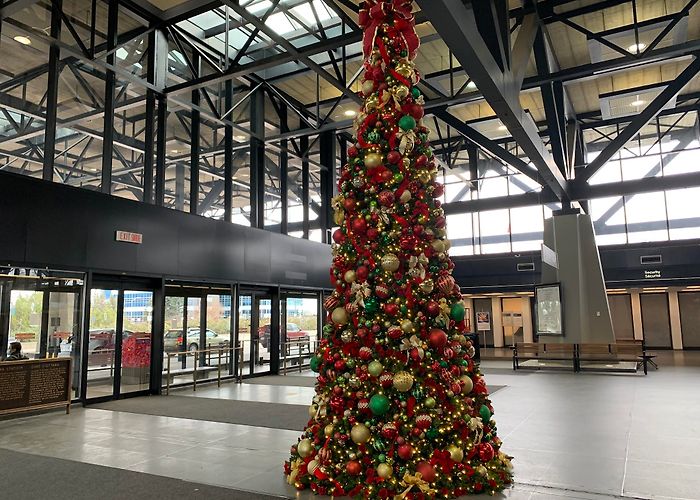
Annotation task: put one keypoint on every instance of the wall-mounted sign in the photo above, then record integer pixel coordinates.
(652, 274)
(127, 237)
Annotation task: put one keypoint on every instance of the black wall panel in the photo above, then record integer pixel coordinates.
(49, 225)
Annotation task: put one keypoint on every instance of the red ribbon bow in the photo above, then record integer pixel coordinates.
(442, 459)
(372, 18)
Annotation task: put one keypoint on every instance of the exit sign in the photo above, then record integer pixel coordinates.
(127, 237)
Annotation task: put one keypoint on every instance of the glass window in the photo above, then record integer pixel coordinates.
(459, 232)
(646, 217)
(527, 228)
(495, 231)
(683, 213)
(608, 216)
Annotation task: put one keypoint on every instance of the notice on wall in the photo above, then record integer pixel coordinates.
(26, 385)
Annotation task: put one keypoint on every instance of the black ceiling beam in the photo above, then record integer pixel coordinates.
(640, 120)
(487, 144)
(457, 24)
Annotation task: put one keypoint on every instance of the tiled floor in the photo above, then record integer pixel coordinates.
(585, 436)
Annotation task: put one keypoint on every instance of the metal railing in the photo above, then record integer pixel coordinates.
(304, 349)
(226, 353)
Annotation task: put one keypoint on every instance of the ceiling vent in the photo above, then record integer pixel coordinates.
(625, 38)
(525, 267)
(631, 101)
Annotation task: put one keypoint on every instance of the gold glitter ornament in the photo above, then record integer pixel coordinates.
(390, 262)
(305, 448)
(427, 286)
(360, 433)
(403, 381)
(456, 453)
(385, 471)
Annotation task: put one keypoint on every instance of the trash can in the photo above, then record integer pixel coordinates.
(474, 337)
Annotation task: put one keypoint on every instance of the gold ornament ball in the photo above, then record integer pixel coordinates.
(305, 448)
(373, 160)
(350, 276)
(338, 217)
(312, 410)
(405, 196)
(456, 453)
(438, 246)
(406, 325)
(346, 336)
(384, 471)
(468, 384)
(312, 466)
(448, 245)
(360, 433)
(339, 316)
(403, 381)
(390, 262)
(328, 430)
(427, 286)
(367, 87)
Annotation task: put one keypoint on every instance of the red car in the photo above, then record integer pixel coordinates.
(294, 334)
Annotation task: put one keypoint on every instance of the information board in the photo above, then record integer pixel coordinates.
(548, 310)
(35, 384)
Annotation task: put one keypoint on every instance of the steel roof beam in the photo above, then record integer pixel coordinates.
(457, 24)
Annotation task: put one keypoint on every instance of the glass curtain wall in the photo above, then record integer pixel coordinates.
(41, 309)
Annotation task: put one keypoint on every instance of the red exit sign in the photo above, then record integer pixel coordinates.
(127, 237)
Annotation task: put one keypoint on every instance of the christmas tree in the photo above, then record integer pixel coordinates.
(401, 409)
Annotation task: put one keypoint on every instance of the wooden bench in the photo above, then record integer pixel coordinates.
(535, 351)
(608, 357)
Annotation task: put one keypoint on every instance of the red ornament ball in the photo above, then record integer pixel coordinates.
(391, 309)
(359, 225)
(386, 198)
(486, 452)
(389, 430)
(438, 190)
(421, 161)
(438, 338)
(417, 111)
(386, 379)
(393, 157)
(349, 204)
(432, 308)
(338, 236)
(426, 471)
(372, 233)
(352, 151)
(405, 451)
(362, 273)
(423, 421)
(353, 467)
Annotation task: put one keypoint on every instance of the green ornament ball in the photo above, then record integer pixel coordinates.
(398, 177)
(485, 413)
(457, 312)
(315, 363)
(375, 368)
(407, 122)
(415, 92)
(432, 433)
(379, 404)
(371, 305)
(430, 402)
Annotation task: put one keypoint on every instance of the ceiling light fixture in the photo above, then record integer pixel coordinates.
(636, 48)
(502, 128)
(471, 85)
(240, 138)
(175, 151)
(23, 40)
(350, 112)
(637, 103)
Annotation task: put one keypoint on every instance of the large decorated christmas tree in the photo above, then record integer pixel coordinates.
(401, 409)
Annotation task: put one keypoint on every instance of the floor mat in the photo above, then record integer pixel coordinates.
(34, 476)
(273, 415)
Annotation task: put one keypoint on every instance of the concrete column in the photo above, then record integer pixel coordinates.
(527, 320)
(674, 312)
(637, 315)
(497, 322)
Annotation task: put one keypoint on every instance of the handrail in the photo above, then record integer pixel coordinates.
(286, 346)
(195, 353)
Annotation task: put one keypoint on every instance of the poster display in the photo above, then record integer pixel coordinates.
(548, 310)
(34, 384)
(483, 321)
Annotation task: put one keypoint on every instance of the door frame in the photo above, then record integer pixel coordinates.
(122, 283)
(258, 293)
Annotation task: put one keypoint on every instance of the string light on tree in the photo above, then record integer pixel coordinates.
(401, 409)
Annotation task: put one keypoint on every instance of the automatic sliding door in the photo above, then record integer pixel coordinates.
(136, 341)
(262, 342)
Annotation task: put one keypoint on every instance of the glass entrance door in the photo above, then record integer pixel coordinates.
(261, 344)
(258, 330)
(119, 345)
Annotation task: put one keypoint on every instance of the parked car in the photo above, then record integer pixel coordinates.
(101, 345)
(172, 340)
(293, 333)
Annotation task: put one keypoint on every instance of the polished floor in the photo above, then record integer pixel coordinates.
(585, 436)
